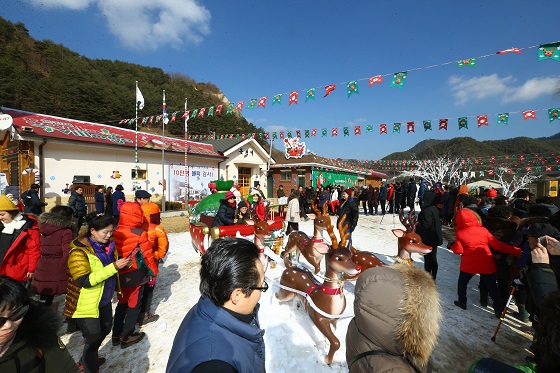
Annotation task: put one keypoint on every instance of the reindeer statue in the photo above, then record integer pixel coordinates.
(261, 231)
(409, 242)
(313, 249)
(326, 300)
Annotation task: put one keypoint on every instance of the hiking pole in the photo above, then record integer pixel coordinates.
(503, 313)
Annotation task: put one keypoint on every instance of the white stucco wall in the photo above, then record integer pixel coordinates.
(256, 161)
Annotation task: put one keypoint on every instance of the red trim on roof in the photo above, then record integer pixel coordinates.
(70, 129)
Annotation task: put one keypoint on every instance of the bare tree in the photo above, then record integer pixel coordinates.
(512, 183)
(443, 169)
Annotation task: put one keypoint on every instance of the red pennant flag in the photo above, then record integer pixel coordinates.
(173, 117)
(253, 135)
(329, 88)
(186, 114)
(201, 112)
(378, 79)
(529, 114)
(267, 135)
(548, 168)
(219, 109)
(231, 136)
(314, 132)
(281, 135)
(443, 124)
(293, 98)
(298, 133)
(409, 127)
(334, 132)
(189, 137)
(151, 121)
(382, 129)
(262, 102)
(357, 130)
(239, 106)
(482, 120)
(510, 50)
(222, 137)
(243, 136)
(123, 121)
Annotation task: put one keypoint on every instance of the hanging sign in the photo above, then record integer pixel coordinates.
(293, 148)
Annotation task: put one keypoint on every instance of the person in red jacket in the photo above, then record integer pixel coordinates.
(19, 242)
(160, 244)
(131, 241)
(472, 242)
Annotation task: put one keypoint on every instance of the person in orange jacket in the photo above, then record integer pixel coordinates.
(160, 245)
(131, 241)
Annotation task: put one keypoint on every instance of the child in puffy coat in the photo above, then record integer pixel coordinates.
(160, 244)
(472, 242)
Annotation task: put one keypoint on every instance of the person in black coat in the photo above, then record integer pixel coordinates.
(226, 211)
(31, 201)
(349, 208)
(109, 201)
(99, 200)
(429, 229)
(411, 193)
(77, 202)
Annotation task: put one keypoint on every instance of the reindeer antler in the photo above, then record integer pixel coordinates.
(410, 221)
(314, 208)
(325, 208)
(343, 231)
(334, 239)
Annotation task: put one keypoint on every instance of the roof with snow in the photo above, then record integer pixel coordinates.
(40, 125)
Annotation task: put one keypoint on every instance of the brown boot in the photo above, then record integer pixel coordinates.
(132, 339)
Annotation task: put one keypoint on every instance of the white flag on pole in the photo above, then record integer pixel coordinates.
(139, 99)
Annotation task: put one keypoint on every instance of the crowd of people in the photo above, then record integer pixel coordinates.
(88, 257)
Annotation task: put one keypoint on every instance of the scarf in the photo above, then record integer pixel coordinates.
(15, 224)
(104, 251)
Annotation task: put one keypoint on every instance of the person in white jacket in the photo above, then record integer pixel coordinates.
(292, 214)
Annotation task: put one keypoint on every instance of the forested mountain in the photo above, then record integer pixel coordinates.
(48, 78)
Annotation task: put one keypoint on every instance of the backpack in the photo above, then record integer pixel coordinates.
(25, 198)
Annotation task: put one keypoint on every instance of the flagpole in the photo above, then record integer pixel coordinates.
(163, 184)
(136, 140)
(186, 160)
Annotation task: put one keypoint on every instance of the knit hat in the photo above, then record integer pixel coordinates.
(542, 229)
(230, 195)
(492, 193)
(242, 204)
(6, 204)
(349, 191)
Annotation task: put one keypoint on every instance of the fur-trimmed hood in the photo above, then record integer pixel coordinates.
(397, 311)
(49, 223)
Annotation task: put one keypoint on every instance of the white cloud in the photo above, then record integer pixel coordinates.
(465, 90)
(276, 128)
(147, 24)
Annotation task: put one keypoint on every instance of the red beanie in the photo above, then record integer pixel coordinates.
(492, 193)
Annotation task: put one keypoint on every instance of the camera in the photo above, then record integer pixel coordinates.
(543, 241)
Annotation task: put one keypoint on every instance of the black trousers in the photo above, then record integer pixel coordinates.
(383, 203)
(489, 281)
(292, 226)
(364, 205)
(94, 332)
(146, 304)
(125, 316)
(431, 263)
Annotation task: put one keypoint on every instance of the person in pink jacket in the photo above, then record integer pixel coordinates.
(472, 243)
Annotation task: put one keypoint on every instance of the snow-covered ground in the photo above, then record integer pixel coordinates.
(293, 344)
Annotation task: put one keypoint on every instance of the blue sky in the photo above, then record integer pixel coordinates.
(251, 49)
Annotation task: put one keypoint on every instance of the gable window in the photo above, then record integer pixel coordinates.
(141, 174)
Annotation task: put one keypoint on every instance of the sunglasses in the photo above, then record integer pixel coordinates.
(262, 288)
(15, 315)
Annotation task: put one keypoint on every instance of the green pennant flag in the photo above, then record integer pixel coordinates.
(277, 99)
(399, 79)
(237, 136)
(306, 133)
(352, 87)
(396, 127)
(427, 125)
(346, 131)
(145, 120)
(324, 132)
(463, 123)
(549, 51)
(553, 114)
(211, 111)
(230, 108)
(310, 95)
(290, 134)
(252, 103)
(274, 135)
(369, 128)
(194, 113)
(503, 118)
(470, 62)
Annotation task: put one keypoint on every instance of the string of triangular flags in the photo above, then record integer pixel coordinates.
(545, 52)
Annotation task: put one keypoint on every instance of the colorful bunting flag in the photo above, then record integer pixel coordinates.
(482, 120)
(382, 129)
(230, 109)
(409, 127)
(463, 123)
(202, 112)
(313, 132)
(378, 79)
(328, 89)
(396, 127)
(529, 114)
(306, 133)
(324, 132)
(399, 79)
(194, 113)
(274, 136)
(262, 102)
(470, 62)
(549, 51)
(346, 131)
(186, 114)
(277, 99)
(252, 103)
(267, 135)
(334, 132)
(357, 130)
(239, 106)
(310, 94)
(503, 118)
(369, 128)
(293, 98)
(352, 87)
(211, 111)
(290, 134)
(443, 124)
(553, 114)
(219, 109)
(282, 134)
(427, 125)
(510, 50)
